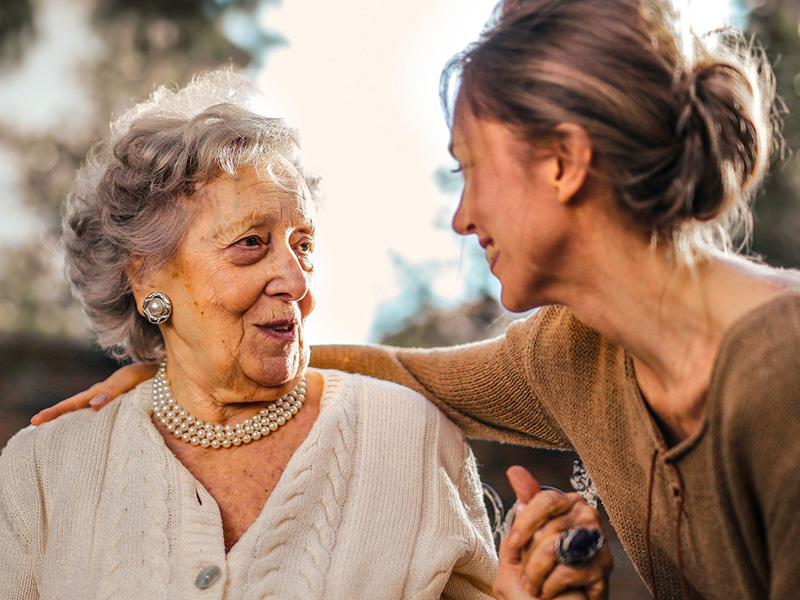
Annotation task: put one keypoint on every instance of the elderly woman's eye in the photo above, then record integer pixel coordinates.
(305, 247)
(251, 241)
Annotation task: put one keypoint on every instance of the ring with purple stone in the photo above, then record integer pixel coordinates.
(577, 547)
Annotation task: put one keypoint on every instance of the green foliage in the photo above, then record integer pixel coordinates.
(777, 233)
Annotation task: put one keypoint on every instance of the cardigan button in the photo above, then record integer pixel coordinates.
(208, 577)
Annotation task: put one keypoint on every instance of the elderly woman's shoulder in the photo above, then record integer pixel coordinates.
(78, 436)
(392, 403)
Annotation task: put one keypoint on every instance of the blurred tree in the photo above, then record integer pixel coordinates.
(16, 26)
(775, 24)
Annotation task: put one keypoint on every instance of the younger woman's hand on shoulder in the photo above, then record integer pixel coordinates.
(122, 380)
(529, 567)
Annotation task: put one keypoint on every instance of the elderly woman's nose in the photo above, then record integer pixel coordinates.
(287, 277)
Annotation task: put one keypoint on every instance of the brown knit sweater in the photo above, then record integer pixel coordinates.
(731, 492)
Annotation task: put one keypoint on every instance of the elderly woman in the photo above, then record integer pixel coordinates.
(236, 472)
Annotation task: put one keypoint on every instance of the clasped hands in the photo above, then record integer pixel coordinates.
(529, 568)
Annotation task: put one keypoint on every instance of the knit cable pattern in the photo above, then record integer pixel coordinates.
(137, 528)
(317, 475)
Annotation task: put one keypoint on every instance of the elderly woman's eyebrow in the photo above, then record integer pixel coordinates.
(235, 228)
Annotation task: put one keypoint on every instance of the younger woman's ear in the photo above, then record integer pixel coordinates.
(574, 157)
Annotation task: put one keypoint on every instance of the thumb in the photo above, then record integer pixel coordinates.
(524, 484)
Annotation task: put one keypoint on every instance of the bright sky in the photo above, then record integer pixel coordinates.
(360, 80)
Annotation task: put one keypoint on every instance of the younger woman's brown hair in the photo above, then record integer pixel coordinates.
(681, 125)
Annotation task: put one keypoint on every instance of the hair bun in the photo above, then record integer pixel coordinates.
(721, 143)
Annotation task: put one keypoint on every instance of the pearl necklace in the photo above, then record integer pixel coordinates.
(194, 431)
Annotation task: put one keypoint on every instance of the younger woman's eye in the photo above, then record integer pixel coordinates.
(457, 169)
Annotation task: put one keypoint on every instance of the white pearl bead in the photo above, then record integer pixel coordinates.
(156, 307)
(186, 427)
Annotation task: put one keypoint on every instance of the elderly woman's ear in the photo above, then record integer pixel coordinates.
(140, 284)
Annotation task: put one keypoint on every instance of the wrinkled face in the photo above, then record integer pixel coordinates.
(239, 283)
(510, 202)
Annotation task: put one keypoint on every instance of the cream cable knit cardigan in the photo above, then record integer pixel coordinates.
(382, 500)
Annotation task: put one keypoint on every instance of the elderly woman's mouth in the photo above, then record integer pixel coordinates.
(283, 330)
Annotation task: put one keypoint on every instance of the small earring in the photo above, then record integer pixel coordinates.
(157, 308)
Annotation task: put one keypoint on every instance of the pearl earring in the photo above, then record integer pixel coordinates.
(157, 308)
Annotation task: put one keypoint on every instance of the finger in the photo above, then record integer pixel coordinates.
(100, 394)
(580, 515)
(510, 556)
(508, 581)
(597, 591)
(538, 562)
(593, 576)
(543, 507)
(524, 484)
(72, 403)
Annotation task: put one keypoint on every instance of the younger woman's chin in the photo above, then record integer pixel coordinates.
(517, 305)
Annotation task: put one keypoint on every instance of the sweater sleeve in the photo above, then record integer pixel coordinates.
(762, 449)
(20, 505)
(473, 577)
(485, 388)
